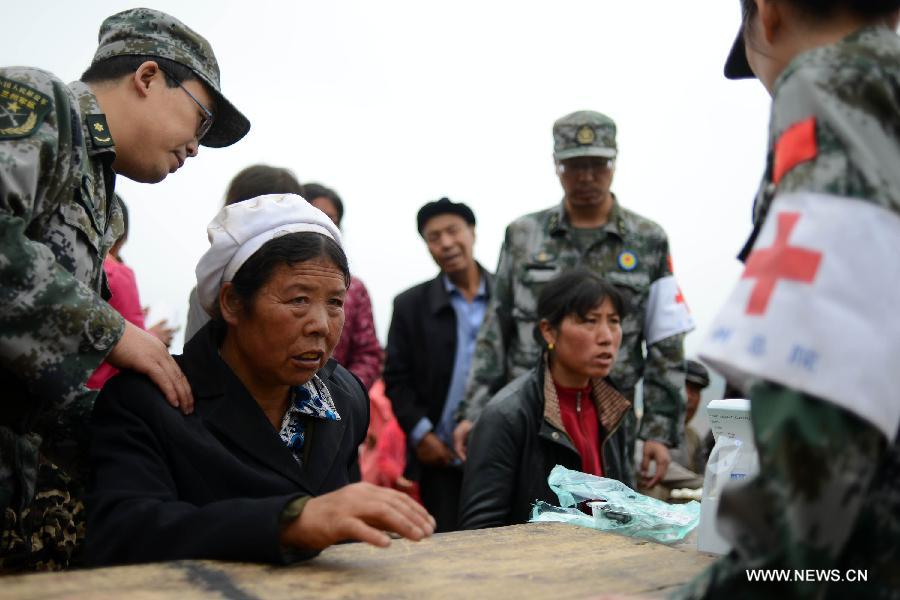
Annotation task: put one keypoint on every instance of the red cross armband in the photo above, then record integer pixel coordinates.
(815, 308)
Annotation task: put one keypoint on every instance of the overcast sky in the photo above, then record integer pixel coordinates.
(394, 104)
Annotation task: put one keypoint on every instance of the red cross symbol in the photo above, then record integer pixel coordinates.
(780, 261)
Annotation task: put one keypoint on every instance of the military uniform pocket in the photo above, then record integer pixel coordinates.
(79, 213)
(80, 240)
(529, 286)
(540, 273)
(636, 282)
(634, 288)
(534, 275)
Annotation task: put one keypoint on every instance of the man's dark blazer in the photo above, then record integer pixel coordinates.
(211, 484)
(421, 349)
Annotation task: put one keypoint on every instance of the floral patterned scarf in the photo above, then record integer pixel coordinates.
(312, 399)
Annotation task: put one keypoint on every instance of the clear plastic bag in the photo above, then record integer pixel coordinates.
(730, 462)
(615, 507)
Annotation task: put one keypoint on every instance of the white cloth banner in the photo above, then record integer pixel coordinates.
(818, 307)
(667, 313)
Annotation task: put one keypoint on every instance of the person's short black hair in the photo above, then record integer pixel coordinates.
(311, 191)
(115, 67)
(288, 249)
(442, 207)
(259, 180)
(868, 9)
(574, 293)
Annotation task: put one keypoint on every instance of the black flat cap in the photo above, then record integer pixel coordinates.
(443, 207)
(696, 373)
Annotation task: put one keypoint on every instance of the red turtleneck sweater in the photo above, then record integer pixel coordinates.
(579, 417)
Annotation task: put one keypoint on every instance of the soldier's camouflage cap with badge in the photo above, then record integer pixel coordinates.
(144, 31)
(584, 133)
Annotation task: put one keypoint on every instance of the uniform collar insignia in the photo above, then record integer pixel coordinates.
(101, 140)
(99, 131)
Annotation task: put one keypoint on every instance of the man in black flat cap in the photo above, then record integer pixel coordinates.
(429, 350)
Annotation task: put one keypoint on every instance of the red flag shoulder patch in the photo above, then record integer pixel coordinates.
(796, 145)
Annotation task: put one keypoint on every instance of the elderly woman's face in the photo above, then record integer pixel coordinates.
(588, 347)
(294, 324)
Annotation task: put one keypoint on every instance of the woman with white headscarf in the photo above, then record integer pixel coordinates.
(260, 470)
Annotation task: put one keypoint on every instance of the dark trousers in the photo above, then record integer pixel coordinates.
(439, 488)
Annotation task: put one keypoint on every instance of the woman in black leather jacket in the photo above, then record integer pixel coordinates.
(564, 411)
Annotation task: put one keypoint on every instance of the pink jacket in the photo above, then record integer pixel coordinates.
(358, 351)
(126, 300)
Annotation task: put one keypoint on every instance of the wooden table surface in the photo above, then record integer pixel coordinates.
(537, 560)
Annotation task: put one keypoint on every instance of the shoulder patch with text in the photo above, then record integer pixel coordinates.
(22, 109)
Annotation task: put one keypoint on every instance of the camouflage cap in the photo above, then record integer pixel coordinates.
(144, 31)
(584, 133)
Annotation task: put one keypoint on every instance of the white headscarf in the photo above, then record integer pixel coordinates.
(242, 228)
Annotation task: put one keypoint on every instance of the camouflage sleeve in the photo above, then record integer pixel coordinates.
(55, 329)
(817, 462)
(856, 151)
(487, 373)
(663, 401)
(664, 381)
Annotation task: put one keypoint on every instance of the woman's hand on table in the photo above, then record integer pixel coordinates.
(361, 512)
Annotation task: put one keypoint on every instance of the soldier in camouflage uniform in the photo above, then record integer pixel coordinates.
(149, 98)
(589, 228)
(827, 496)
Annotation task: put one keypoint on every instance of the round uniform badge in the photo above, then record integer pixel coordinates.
(585, 135)
(627, 260)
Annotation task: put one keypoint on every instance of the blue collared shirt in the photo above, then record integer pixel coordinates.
(469, 316)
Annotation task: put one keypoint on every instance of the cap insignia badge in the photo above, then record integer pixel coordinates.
(585, 135)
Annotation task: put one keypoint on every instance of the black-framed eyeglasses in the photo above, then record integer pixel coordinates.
(208, 116)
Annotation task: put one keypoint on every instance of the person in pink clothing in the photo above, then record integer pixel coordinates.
(126, 300)
(382, 458)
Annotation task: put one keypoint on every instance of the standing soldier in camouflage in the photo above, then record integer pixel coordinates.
(811, 331)
(589, 229)
(150, 97)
